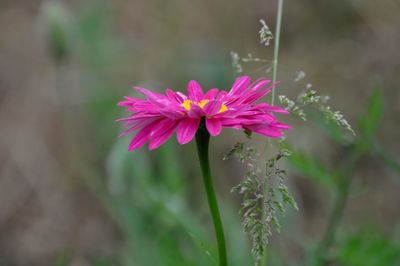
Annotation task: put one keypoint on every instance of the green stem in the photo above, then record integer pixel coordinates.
(276, 47)
(336, 215)
(334, 221)
(263, 260)
(202, 140)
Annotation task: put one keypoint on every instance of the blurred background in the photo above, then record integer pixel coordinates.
(71, 194)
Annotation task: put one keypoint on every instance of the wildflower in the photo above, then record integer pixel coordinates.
(158, 116)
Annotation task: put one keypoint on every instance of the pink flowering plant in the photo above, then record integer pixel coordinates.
(156, 117)
(153, 118)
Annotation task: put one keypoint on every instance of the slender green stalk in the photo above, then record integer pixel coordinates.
(263, 260)
(276, 47)
(202, 140)
(334, 221)
(336, 215)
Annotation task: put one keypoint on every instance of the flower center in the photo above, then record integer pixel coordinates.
(186, 104)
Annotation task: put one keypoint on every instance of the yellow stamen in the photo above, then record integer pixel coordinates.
(186, 104)
(223, 108)
(203, 102)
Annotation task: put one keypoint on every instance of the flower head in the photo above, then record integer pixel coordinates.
(158, 116)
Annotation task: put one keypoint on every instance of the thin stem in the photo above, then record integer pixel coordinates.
(335, 218)
(276, 48)
(334, 221)
(263, 260)
(202, 140)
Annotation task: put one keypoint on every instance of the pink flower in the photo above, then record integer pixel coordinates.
(158, 116)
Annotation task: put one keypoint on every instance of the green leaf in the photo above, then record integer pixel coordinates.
(63, 259)
(58, 29)
(204, 248)
(368, 249)
(169, 164)
(369, 122)
(312, 168)
(378, 151)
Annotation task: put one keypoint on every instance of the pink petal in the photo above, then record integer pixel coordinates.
(256, 91)
(195, 111)
(129, 101)
(240, 85)
(266, 118)
(270, 132)
(175, 97)
(136, 125)
(181, 95)
(187, 128)
(150, 94)
(256, 96)
(194, 91)
(256, 84)
(221, 95)
(161, 139)
(172, 113)
(212, 107)
(211, 94)
(162, 126)
(154, 98)
(141, 137)
(213, 126)
(282, 126)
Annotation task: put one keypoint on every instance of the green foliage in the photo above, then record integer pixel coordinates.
(379, 152)
(275, 204)
(262, 200)
(368, 125)
(102, 262)
(64, 259)
(253, 212)
(204, 248)
(99, 47)
(311, 167)
(368, 248)
(141, 204)
(147, 195)
(57, 25)
(369, 122)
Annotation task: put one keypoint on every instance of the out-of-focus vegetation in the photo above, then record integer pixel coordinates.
(70, 193)
(338, 180)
